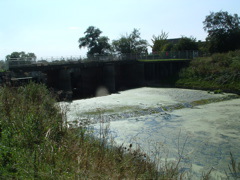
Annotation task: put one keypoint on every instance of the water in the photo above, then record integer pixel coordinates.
(169, 123)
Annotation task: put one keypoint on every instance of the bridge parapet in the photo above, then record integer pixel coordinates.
(26, 62)
(21, 62)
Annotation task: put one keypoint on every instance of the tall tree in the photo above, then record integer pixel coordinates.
(186, 44)
(223, 31)
(131, 43)
(96, 44)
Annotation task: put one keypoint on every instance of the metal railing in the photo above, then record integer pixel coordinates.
(171, 55)
(19, 62)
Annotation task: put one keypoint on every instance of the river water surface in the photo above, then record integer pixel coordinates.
(200, 127)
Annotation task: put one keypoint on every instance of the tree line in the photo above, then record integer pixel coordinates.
(223, 35)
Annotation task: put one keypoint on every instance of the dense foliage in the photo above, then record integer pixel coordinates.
(131, 43)
(22, 56)
(220, 71)
(162, 44)
(223, 32)
(96, 44)
(186, 44)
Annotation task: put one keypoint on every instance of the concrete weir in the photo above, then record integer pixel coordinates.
(82, 79)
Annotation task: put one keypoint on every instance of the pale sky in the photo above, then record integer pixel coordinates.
(51, 28)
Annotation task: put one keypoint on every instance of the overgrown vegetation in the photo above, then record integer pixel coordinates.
(218, 72)
(37, 143)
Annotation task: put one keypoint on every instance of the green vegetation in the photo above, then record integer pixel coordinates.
(162, 44)
(36, 143)
(130, 44)
(96, 44)
(223, 32)
(218, 72)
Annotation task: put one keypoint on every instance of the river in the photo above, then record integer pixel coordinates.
(200, 127)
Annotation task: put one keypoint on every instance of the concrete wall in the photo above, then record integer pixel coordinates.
(83, 80)
(163, 73)
(109, 77)
(129, 75)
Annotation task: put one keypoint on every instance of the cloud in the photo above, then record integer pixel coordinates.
(74, 28)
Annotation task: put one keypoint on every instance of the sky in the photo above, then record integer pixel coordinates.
(51, 28)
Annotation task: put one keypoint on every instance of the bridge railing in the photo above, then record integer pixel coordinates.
(170, 55)
(19, 62)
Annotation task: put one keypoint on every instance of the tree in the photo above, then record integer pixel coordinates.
(96, 44)
(130, 44)
(186, 44)
(160, 42)
(223, 31)
(22, 56)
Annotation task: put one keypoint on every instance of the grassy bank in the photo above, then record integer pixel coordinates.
(218, 72)
(36, 142)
